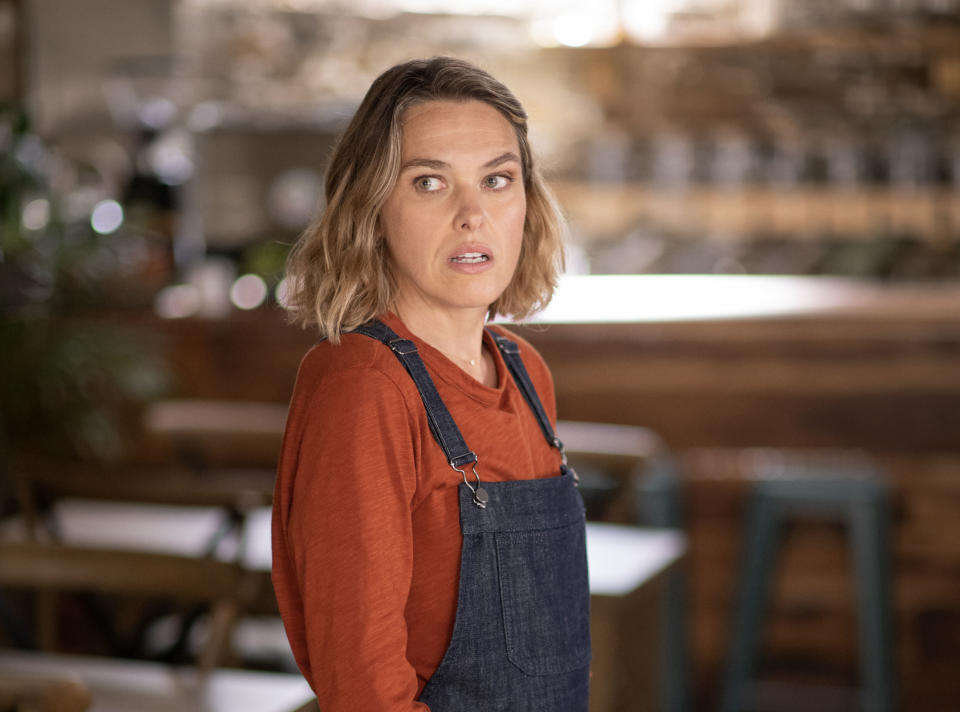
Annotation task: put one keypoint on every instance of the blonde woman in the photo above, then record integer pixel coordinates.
(428, 539)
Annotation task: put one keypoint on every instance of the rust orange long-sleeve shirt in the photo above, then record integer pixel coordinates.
(366, 529)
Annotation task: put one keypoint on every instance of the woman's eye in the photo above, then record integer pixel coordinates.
(428, 184)
(498, 181)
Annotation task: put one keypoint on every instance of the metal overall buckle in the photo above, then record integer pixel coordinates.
(563, 461)
(480, 496)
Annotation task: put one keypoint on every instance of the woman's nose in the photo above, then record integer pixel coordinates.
(469, 215)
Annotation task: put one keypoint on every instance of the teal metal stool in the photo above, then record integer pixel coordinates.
(657, 503)
(847, 488)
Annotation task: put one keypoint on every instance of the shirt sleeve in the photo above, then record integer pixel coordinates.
(347, 537)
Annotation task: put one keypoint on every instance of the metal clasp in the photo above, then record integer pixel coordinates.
(563, 460)
(480, 496)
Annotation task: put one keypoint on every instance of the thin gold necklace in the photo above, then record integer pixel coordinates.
(472, 362)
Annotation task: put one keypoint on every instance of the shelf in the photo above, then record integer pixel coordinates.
(604, 211)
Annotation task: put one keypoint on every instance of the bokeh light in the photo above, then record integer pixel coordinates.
(282, 292)
(36, 214)
(107, 217)
(248, 291)
(177, 301)
(573, 30)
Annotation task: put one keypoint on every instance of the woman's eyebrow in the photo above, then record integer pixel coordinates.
(438, 165)
(425, 163)
(502, 158)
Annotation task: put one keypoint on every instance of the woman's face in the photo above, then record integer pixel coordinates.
(454, 221)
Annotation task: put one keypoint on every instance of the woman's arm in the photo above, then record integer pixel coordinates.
(343, 541)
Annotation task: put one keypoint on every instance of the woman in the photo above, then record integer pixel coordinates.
(428, 539)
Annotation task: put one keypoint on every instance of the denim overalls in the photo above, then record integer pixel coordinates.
(521, 639)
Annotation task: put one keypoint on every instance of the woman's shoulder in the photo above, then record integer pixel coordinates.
(356, 362)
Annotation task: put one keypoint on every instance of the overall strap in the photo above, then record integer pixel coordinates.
(511, 355)
(442, 425)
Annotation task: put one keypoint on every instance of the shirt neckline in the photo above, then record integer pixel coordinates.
(444, 368)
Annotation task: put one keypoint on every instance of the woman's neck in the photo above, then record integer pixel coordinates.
(458, 336)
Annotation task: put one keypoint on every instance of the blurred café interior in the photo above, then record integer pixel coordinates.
(756, 345)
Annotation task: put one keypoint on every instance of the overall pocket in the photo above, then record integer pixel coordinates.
(545, 596)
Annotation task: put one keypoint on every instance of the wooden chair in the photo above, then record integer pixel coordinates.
(233, 494)
(609, 459)
(43, 481)
(49, 568)
(618, 447)
(201, 433)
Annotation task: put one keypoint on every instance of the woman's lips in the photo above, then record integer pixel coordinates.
(471, 259)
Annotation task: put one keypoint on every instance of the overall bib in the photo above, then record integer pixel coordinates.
(521, 637)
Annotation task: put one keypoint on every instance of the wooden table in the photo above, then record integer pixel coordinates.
(627, 566)
(127, 686)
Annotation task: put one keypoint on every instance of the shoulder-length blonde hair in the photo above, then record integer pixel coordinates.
(338, 273)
